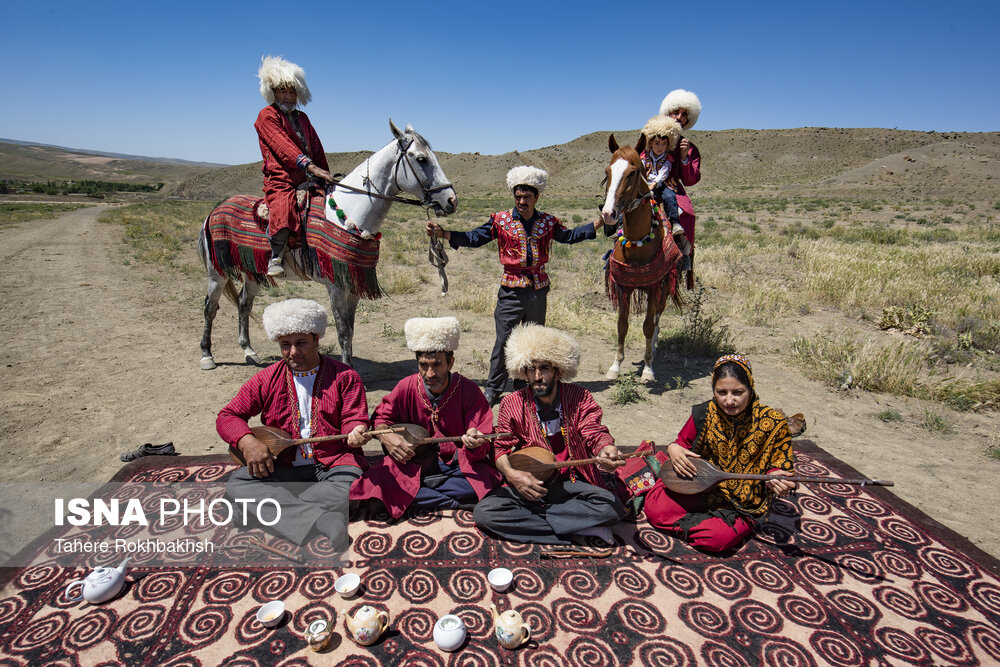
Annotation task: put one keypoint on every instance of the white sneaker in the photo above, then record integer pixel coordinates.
(274, 268)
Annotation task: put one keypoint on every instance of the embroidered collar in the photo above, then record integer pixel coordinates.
(305, 374)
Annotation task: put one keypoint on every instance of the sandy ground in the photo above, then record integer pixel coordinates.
(102, 357)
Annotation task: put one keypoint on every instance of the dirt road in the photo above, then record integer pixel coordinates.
(101, 357)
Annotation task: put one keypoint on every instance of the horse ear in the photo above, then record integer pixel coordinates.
(641, 145)
(612, 143)
(409, 128)
(396, 132)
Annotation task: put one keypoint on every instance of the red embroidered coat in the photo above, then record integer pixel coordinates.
(338, 406)
(461, 407)
(585, 435)
(285, 162)
(522, 255)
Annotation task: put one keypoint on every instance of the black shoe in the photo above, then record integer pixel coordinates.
(149, 449)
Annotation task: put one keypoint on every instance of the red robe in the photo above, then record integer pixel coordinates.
(585, 435)
(285, 162)
(462, 406)
(339, 405)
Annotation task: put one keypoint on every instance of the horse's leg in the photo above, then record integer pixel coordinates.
(651, 330)
(344, 306)
(623, 312)
(216, 285)
(247, 295)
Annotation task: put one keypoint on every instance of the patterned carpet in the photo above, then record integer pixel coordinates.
(841, 576)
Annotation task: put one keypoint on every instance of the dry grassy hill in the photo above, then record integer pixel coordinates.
(872, 162)
(27, 162)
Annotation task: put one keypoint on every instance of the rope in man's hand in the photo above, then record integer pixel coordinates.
(438, 258)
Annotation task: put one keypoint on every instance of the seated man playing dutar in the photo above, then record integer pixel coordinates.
(305, 394)
(444, 475)
(565, 419)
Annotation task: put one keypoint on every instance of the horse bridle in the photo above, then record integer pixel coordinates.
(621, 211)
(372, 191)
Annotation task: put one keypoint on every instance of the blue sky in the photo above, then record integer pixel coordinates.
(179, 79)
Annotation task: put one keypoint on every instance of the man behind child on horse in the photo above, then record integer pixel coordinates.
(291, 150)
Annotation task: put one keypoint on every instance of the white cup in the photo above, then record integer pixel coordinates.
(347, 584)
(449, 632)
(500, 579)
(270, 614)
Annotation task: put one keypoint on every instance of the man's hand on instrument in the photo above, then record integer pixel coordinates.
(436, 231)
(685, 147)
(397, 446)
(260, 460)
(607, 459)
(472, 439)
(526, 484)
(358, 436)
(679, 460)
(319, 172)
(780, 487)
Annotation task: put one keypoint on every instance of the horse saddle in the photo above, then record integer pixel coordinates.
(301, 198)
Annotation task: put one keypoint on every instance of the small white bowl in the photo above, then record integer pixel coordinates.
(500, 578)
(270, 614)
(449, 632)
(347, 584)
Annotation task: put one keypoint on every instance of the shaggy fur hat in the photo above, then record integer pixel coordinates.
(294, 316)
(432, 334)
(276, 72)
(664, 127)
(530, 176)
(533, 342)
(681, 98)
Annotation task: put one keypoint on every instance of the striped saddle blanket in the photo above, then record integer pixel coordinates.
(239, 247)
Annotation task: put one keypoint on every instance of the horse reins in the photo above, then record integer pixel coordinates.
(373, 191)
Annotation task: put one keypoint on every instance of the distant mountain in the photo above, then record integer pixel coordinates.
(808, 161)
(120, 156)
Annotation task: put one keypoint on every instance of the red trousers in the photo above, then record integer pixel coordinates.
(664, 509)
(283, 211)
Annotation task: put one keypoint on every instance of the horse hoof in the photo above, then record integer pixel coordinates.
(612, 374)
(207, 363)
(648, 376)
(252, 358)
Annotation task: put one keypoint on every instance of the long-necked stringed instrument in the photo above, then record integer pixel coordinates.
(709, 476)
(542, 463)
(278, 440)
(417, 435)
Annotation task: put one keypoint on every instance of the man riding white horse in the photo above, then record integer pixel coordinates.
(291, 150)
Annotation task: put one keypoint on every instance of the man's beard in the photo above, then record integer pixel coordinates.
(287, 108)
(543, 389)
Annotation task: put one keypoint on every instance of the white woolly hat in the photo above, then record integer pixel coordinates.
(294, 316)
(665, 127)
(678, 99)
(533, 342)
(432, 334)
(276, 72)
(530, 176)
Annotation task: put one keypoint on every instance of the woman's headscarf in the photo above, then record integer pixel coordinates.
(754, 441)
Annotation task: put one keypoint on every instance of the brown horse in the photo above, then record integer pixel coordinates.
(644, 259)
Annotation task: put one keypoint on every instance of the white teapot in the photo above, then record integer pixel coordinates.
(367, 625)
(101, 585)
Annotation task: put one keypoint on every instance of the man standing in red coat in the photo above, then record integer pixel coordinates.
(524, 235)
(291, 150)
(448, 475)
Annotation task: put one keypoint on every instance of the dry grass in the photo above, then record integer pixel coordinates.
(12, 213)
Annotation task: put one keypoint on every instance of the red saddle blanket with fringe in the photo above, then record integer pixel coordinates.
(627, 282)
(239, 247)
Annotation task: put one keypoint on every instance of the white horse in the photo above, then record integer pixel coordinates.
(405, 164)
